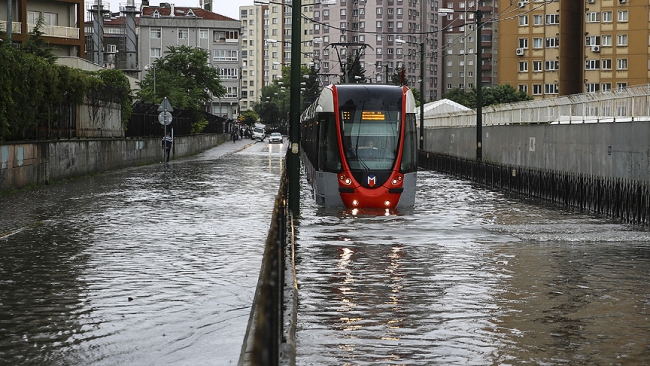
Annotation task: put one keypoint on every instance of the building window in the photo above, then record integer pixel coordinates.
(607, 17)
(523, 42)
(592, 87)
(552, 19)
(551, 65)
(225, 55)
(537, 20)
(155, 33)
(523, 66)
(607, 40)
(605, 87)
(51, 18)
(592, 17)
(606, 64)
(550, 89)
(183, 33)
(523, 20)
(621, 64)
(154, 52)
(32, 17)
(592, 64)
(552, 42)
(203, 34)
(592, 41)
(621, 86)
(523, 88)
(538, 43)
(537, 89)
(621, 40)
(622, 16)
(537, 66)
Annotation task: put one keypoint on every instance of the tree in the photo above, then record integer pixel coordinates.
(249, 117)
(36, 45)
(184, 77)
(399, 76)
(490, 96)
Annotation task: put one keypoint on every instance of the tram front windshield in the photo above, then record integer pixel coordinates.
(370, 134)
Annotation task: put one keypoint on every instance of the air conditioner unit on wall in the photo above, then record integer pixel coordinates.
(595, 48)
(521, 4)
(591, 1)
(519, 51)
(622, 1)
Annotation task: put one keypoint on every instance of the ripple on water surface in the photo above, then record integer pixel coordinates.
(469, 277)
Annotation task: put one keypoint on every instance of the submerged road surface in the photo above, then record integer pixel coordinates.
(470, 277)
(154, 265)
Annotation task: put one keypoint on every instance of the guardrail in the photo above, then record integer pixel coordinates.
(629, 104)
(265, 335)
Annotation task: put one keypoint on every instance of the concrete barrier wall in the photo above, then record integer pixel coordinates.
(31, 163)
(616, 150)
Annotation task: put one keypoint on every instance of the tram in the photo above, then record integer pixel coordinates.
(359, 146)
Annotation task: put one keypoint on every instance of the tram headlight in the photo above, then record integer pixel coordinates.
(345, 180)
(355, 203)
(387, 203)
(397, 180)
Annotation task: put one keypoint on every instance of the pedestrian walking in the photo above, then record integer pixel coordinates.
(167, 143)
(234, 135)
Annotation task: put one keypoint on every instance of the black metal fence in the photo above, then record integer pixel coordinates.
(622, 199)
(144, 122)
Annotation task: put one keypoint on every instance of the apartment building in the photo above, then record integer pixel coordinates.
(551, 48)
(333, 29)
(459, 46)
(62, 23)
(266, 45)
(166, 25)
(387, 33)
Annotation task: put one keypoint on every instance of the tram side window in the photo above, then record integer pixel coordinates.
(410, 153)
(328, 155)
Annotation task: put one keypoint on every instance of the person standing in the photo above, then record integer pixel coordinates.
(167, 143)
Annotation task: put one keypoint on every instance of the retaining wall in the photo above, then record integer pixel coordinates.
(28, 163)
(609, 150)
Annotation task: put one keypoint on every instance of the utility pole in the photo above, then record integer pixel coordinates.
(293, 156)
(479, 87)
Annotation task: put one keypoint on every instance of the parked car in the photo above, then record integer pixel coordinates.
(258, 134)
(275, 137)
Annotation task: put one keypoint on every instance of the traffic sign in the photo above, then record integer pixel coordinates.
(165, 118)
(165, 106)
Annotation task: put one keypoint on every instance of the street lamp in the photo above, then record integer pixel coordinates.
(421, 89)
(479, 82)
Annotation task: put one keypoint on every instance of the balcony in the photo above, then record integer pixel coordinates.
(15, 26)
(56, 31)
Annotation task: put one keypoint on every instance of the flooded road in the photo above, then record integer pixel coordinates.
(153, 265)
(470, 277)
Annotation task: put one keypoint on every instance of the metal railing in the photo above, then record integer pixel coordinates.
(629, 104)
(267, 331)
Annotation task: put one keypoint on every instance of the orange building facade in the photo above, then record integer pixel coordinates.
(566, 47)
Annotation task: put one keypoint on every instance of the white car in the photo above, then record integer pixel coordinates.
(275, 137)
(258, 134)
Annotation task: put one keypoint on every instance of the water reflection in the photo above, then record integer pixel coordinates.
(470, 277)
(146, 266)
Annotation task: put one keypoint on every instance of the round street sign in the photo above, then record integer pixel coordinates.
(165, 118)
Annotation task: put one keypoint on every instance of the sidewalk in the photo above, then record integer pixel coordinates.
(227, 147)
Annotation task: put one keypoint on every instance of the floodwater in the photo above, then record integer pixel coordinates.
(470, 277)
(153, 265)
